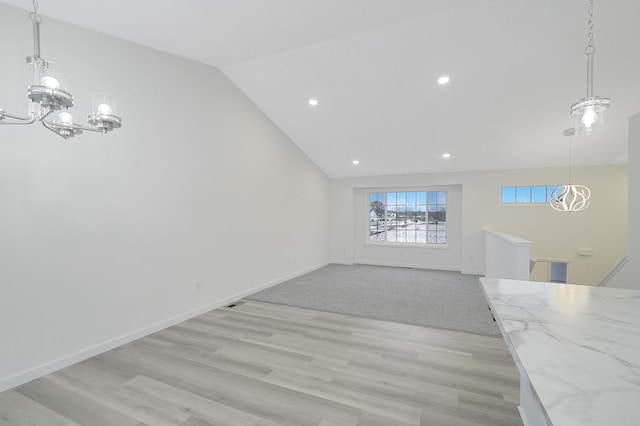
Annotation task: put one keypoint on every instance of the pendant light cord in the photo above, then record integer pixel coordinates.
(570, 159)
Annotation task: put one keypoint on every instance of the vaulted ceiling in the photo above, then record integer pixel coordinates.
(373, 65)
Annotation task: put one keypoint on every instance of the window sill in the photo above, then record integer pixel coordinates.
(409, 245)
(509, 205)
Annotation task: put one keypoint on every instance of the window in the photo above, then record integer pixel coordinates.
(557, 272)
(550, 271)
(408, 217)
(527, 194)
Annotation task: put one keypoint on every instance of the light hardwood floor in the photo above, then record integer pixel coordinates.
(265, 364)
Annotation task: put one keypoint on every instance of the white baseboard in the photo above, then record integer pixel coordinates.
(50, 367)
(279, 281)
(408, 265)
(342, 262)
(472, 272)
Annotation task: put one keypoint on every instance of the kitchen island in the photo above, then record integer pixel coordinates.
(577, 349)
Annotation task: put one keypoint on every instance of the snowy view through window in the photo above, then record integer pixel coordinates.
(408, 217)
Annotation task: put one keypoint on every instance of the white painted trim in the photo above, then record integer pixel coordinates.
(407, 265)
(549, 260)
(472, 272)
(511, 239)
(408, 245)
(426, 190)
(280, 280)
(342, 262)
(50, 367)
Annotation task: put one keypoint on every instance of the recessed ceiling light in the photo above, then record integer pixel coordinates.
(355, 162)
(444, 80)
(446, 155)
(313, 102)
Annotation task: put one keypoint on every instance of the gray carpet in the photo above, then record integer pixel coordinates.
(436, 299)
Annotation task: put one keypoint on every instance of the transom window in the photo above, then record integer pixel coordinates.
(408, 217)
(527, 194)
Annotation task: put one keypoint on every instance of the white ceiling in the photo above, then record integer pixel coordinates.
(515, 69)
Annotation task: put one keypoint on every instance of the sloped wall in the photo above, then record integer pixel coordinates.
(197, 200)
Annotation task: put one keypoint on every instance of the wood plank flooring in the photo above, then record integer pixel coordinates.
(266, 364)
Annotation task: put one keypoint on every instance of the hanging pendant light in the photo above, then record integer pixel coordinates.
(589, 112)
(47, 93)
(570, 197)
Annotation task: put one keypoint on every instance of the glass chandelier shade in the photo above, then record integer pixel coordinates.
(47, 86)
(64, 125)
(47, 93)
(589, 112)
(104, 112)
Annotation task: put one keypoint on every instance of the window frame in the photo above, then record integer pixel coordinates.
(531, 203)
(417, 245)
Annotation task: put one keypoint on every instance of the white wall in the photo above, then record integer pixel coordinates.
(554, 235)
(629, 275)
(506, 256)
(104, 238)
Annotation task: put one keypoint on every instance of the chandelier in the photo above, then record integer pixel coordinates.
(588, 113)
(47, 93)
(570, 197)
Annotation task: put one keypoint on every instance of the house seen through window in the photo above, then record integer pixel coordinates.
(408, 217)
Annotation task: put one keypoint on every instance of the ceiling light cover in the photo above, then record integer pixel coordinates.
(355, 162)
(313, 102)
(47, 93)
(446, 155)
(444, 80)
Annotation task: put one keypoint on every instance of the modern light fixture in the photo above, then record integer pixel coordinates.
(355, 162)
(444, 80)
(313, 102)
(47, 93)
(446, 155)
(589, 112)
(570, 197)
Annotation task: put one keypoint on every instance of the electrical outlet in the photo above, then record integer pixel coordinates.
(197, 286)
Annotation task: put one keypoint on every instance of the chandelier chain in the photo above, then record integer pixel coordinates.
(591, 49)
(35, 17)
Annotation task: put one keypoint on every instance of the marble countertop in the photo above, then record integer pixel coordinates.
(578, 345)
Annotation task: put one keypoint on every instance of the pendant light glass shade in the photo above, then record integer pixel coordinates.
(588, 115)
(588, 112)
(47, 86)
(103, 112)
